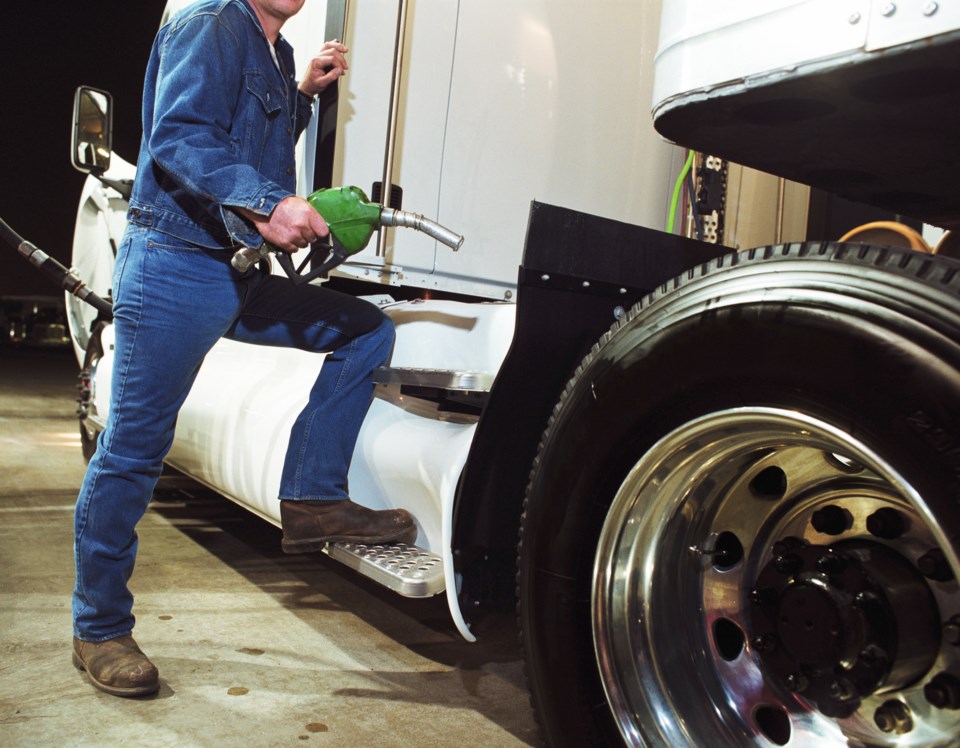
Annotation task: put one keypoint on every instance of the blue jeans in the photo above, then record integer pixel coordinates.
(173, 301)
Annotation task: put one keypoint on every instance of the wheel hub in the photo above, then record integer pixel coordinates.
(826, 622)
(763, 578)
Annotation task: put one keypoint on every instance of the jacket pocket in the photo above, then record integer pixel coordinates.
(261, 109)
(268, 96)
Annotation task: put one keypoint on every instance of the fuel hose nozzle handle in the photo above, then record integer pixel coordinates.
(352, 220)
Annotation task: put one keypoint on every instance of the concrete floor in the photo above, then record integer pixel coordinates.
(254, 648)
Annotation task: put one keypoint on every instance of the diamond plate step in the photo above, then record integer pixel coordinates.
(406, 569)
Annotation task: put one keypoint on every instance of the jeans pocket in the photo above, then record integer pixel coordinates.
(160, 242)
(132, 235)
(183, 280)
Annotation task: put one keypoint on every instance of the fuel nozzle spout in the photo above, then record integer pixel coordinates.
(391, 217)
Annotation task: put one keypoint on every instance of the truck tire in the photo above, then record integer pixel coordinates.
(742, 524)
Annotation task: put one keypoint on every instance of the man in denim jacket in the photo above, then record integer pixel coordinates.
(221, 115)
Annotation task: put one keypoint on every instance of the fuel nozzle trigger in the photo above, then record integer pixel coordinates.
(336, 254)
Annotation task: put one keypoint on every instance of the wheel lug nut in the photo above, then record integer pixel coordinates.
(764, 643)
(786, 545)
(864, 599)
(831, 563)
(943, 691)
(788, 564)
(951, 631)
(765, 596)
(884, 721)
(887, 523)
(893, 716)
(841, 690)
(797, 682)
(872, 657)
(831, 520)
(933, 565)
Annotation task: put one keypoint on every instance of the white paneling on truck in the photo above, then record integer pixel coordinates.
(734, 475)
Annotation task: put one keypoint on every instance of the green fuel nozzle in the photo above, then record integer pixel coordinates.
(352, 220)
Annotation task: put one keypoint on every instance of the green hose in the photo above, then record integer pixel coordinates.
(676, 192)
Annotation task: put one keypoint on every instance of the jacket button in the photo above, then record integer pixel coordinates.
(289, 170)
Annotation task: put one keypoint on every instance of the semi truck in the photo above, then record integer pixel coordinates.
(714, 461)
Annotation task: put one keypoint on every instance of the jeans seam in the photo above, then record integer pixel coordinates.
(121, 385)
(308, 424)
(100, 640)
(115, 416)
(305, 321)
(345, 368)
(311, 498)
(304, 440)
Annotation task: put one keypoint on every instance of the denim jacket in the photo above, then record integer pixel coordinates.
(220, 122)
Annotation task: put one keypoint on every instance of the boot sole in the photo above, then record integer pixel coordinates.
(308, 545)
(114, 690)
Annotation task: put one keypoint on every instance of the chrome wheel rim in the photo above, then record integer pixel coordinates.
(745, 583)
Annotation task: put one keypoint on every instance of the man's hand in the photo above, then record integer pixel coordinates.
(292, 225)
(329, 64)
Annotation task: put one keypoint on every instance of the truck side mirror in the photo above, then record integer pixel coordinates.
(92, 139)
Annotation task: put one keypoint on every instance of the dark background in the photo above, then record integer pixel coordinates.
(48, 50)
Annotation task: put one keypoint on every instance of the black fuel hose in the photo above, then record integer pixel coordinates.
(59, 274)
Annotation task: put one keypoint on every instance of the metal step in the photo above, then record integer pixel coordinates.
(441, 379)
(406, 569)
(440, 394)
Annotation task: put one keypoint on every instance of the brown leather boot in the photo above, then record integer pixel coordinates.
(116, 666)
(309, 525)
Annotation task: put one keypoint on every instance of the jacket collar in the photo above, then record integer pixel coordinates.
(245, 4)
